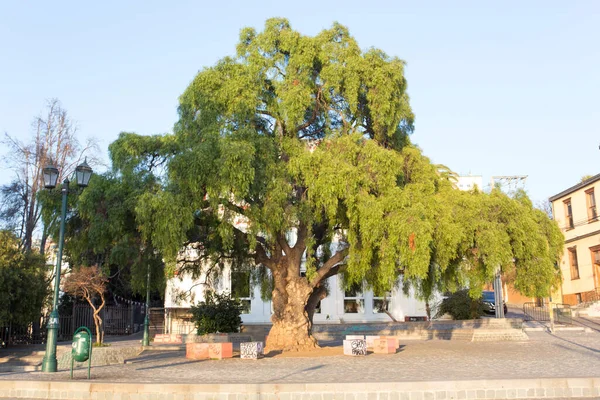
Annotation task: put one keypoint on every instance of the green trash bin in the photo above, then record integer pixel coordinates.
(82, 348)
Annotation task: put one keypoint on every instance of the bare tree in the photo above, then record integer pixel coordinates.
(53, 141)
(90, 284)
(545, 206)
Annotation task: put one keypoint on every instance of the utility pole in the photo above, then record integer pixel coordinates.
(498, 296)
(513, 182)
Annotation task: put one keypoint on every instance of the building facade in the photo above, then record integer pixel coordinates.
(575, 211)
(469, 182)
(340, 306)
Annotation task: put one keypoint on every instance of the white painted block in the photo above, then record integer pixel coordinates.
(251, 350)
(355, 347)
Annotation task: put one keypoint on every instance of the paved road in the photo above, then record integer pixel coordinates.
(565, 354)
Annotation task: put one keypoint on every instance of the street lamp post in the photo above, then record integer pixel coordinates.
(146, 338)
(83, 173)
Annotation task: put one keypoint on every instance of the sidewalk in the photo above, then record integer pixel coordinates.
(564, 354)
(564, 360)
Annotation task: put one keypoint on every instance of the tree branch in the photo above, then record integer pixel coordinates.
(285, 246)
(330, 268)
(314, 114)
(302, 236)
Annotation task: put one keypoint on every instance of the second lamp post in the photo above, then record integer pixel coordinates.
(83, 173)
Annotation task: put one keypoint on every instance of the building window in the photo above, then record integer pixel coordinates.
(240, 289)
(381, 304)
(354, 300)
(569, 214)
(595, 255)
(578, 298)
(590, 200)
(573, 263)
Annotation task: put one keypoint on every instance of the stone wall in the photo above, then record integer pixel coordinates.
(479, 329)
(483, 389)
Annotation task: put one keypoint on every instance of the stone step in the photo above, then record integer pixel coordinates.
(18, 353)
(25, 360)
(19, 368)
(517, 337)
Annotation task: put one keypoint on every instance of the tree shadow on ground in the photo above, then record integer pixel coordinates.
(588, 323)
(171, 365)
(316, 367)
(576, 344)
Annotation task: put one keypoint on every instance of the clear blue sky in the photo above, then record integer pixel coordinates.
(498, 88)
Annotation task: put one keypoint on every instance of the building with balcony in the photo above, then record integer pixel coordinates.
(575, 211)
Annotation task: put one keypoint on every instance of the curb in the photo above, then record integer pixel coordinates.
(474, 389)
(558, 329)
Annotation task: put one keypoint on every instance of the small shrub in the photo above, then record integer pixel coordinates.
(218, 313)
(461, 306)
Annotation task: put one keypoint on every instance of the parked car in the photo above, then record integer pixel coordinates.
(489, 303)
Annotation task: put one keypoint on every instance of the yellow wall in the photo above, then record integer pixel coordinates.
(584, 235)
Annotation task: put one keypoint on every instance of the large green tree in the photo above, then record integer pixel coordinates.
(22, 282)
(310, 136)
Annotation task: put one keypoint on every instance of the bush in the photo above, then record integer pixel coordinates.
(218, 313)
(461, 306)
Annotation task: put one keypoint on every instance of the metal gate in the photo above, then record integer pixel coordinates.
(540, 312)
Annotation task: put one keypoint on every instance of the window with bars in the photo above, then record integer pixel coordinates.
(590, 199)
(573, 263)
(569, 214)
(596, 256)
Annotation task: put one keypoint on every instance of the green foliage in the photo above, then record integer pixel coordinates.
(460, 305)
(22, 282)
(310, 134)
(218, 313)
(102, 230)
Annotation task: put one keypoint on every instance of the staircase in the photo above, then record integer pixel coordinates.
(23, 360)
(587, 309)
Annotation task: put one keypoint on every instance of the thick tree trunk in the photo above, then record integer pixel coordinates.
(291, 330)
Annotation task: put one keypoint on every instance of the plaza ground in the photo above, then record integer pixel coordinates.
(565, 354)
(560, 365)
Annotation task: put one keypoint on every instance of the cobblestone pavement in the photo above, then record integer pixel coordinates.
(565, 354)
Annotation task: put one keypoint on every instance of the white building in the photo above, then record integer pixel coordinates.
(469, 182)
(340, 306)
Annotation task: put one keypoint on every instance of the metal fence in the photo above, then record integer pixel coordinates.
(540, 312)
(116, 320)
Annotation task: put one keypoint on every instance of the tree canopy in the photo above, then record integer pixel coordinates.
(310, 135)
(102, 230)
(22, 282)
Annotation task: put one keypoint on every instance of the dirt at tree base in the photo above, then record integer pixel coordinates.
(317, 352)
